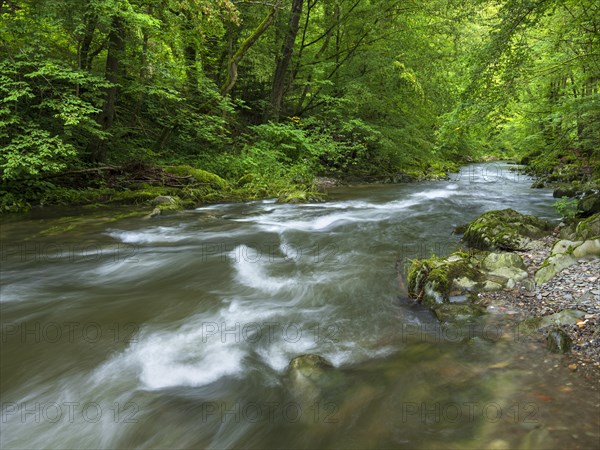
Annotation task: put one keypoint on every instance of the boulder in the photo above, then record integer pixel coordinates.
(564, 254)
(299, 196)
(588, 249)
(588, 228)
(588, 205)
(538, 184)
(505, 229)
(564, 246)
(434, 280)
(565, 190)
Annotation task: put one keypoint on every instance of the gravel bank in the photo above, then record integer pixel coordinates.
(575, 288)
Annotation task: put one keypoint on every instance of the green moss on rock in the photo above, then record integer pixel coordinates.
(505, 229)
(199, 176)
(588, 228)
(432, 280)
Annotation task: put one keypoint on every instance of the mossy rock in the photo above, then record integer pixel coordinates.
(432, 280)
(300, 196)
(553, 265)
(246, 179)
(588, 228)
(505, 229)
(145, 194)
(199, 176)
(589, 205)
(565, 190)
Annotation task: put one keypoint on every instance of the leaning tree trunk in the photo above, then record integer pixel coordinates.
(235, 60)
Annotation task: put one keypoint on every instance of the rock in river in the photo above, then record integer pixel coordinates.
(505, 229)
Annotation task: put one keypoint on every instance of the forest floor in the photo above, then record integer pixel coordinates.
(574, 288)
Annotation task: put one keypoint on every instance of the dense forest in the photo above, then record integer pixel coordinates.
(112, 101)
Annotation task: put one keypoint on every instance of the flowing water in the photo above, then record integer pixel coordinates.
(176, 332)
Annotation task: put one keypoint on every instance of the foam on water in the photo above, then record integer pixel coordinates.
(150, 235)
(251, 271)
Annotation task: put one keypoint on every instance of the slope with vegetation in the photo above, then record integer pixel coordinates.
(111, 101)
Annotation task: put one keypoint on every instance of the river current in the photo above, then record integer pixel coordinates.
(176, 332)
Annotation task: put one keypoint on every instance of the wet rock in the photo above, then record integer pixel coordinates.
(558, 341)
(589, 205)
(308, 374)
(299, 196)
(458, 312)
(528, 327)
(565, 190)
(505, 229)
(491, 286)
(155, 212)
(432, 281)
(538, 184)
(465, 284)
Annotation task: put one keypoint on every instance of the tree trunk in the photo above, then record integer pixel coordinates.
(284, 61)
(232, 70)
(85, 59)
(191, 71)
(116, 46)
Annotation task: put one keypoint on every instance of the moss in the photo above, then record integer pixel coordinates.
(199, 176)
(139, 196)
(504, 230)
(58, 229)
(246, 179)
(77, 223)
(431, 280)
(299, 196)
(588, 228)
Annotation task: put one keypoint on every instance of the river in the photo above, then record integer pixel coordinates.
(176, 332)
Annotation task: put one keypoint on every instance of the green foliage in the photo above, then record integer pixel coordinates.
(566, 207)
(369, 88)
(41, 115)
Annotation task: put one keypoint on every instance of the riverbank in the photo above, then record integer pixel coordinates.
(166, 188)
(543, 280)
(570, 301)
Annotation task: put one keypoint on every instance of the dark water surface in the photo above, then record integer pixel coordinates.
(176, 332)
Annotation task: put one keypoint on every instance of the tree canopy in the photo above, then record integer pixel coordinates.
(278, 91)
